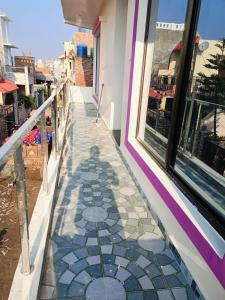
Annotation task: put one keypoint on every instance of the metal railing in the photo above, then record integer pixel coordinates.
(13, 147)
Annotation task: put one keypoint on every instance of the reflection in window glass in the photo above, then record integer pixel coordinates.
(201, 153)
(166, 25)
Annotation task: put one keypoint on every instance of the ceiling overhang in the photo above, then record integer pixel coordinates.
(83, 13)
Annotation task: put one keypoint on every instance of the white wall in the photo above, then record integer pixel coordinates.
(112, 49)
(203, 275)
(81, 94)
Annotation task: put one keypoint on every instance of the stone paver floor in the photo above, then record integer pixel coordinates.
(104, 243)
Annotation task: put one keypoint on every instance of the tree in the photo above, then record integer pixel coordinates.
(212, 88)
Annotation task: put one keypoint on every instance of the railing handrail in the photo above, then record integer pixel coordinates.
(206, 103)
(7, 149)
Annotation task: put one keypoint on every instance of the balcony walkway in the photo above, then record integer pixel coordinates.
(104, 243)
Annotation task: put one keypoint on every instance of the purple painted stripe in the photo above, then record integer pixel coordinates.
(95, 98)
(216, 263)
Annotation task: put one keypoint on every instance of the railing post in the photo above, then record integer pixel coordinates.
(55, 106)
(196, 130)
(21, 195)
(188, 123)
(64, 101)
(54, 129)
(44, 148)
(60, 107)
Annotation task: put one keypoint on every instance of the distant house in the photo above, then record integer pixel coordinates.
(21, 74)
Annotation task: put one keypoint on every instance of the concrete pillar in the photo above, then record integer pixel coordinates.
(1, 99)
(27, 85)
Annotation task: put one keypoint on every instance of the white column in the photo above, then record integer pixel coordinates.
(27, 86)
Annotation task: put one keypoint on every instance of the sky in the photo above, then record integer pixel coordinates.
(211, 23)
(37, 25)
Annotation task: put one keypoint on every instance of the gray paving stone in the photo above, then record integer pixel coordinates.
(70, 258)
(135, 270)
(132, 284)
(105, 288)
(106, 249)
(83, 278)
(93, 260)
(180, 293)
(66, 277)
(115, 238)
(150, 295)
(95, 271)
(79, 266)
(168, 270)
(145, 283)
(122, 274)
(81, 253)
(173, 281)
(121, 261)
(164, 295)
(76, 290)
(143, 262)
(92, 242)
(104, 232)
(159, 282)
(93, 250)
(110, 222)
(60, 291)
(108, 259)
(110, 270)
(152, 271)
(135, 296)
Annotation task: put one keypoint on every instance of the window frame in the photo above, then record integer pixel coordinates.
(191, 22)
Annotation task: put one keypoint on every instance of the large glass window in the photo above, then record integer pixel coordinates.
(201, 151)
(198, 136)
(97, 64)
(163, 47)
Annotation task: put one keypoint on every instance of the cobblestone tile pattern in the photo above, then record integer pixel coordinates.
(104, 243)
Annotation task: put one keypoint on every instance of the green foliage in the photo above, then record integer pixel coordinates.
(212, 88)
(40, 90)
(28, 101)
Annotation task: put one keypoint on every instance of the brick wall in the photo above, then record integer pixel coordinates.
(83, 71)
(84, 38)
(3, 128)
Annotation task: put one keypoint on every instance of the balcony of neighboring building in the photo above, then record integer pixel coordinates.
(23, 77)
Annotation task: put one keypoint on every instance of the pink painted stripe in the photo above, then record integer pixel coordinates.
(96, 27)
(216, 263)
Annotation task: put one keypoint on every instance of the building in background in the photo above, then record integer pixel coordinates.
(83, 43)
(6, 58)
(69, 54)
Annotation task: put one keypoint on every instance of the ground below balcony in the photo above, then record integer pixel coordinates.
(104, 243)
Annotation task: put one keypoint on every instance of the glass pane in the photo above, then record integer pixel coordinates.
(201, 153)
(166, 25)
